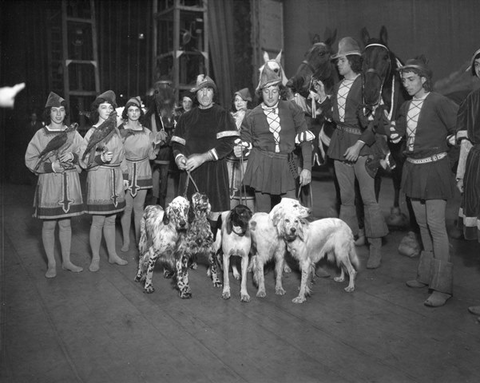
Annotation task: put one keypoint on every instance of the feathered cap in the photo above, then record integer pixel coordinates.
(136, 101)
(269, 77)
(419, 65)
(347, 46)
(203, 81)
(108, 96)
(472, 62)
(244, 94)
(54, 100)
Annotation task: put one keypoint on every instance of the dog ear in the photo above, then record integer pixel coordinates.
(277, 214)
(229, 224)
(302, 225)
(166, 215)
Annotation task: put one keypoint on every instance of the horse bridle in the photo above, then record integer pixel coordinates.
(375, 72)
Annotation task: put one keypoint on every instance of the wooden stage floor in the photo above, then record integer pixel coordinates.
(101, 327)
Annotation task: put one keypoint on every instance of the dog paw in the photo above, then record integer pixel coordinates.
(138, 278)
(261, 294)
(168, 274)
(236, 274)
(280, 291)
(217, 284)
(287, 269)
(349, 289)
(245, 298)
(299, 299)
(338, 279)
(194, 266)
(148, 290)
(226, 294)
(185, 295)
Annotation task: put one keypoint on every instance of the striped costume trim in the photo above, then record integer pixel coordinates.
(228, 133)
(179, 140)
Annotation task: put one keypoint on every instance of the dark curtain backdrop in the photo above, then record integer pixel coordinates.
(220, 15)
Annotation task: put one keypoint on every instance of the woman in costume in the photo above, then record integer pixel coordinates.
(53, 155)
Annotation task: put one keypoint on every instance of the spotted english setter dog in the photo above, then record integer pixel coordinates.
(234, 239)
(160, 231)
(198, 240)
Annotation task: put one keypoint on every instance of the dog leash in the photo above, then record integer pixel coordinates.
(189, 178)
(309, 193)
(243, 188)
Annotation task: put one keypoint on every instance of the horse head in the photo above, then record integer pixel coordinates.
(317, 65)
(275, 65)
(163, 102)
(381, 80)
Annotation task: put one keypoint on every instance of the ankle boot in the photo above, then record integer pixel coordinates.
(375, 257)
(424, 271)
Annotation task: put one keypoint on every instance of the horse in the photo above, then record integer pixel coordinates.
(383, 93)
(316, 66)
(160, 118)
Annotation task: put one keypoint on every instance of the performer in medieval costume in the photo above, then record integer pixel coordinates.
(271, 132)
(427, 121)
(104, 160)
(239, 193)
(202, 140)
(139, 144)
(468, 170)
(53, 155)
(351, 146)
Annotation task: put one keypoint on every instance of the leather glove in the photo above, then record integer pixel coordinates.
(181, 161)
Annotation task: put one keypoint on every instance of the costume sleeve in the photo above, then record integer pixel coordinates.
(178, 138)
(227, 133)
(465, 147)
(301, 128)
(34, 149)
(448, 110)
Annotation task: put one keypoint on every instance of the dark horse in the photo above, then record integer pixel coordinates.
(316, 66)
(161, 118)
(383, 93)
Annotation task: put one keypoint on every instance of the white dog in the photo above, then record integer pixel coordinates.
(309, 242)
(268, 243)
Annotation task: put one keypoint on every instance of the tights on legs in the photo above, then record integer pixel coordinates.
(48, 239)
(107, 225)
(135, 204)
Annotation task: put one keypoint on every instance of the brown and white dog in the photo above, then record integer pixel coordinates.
(234, 239)
(160, 230)
(309, 242)
(268, 243)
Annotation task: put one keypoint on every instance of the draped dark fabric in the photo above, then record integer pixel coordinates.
(220, 14)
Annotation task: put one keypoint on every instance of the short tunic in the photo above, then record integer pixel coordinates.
(347, 130)
(268, 171)
(105, 191)
(468, 127)
(432, 180)
(139, 150)
(206, 130)
(57, 195)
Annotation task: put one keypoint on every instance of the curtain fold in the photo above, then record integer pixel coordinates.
(220, 14)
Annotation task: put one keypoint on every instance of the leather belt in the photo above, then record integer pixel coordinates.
(351, 130)
(435, 157)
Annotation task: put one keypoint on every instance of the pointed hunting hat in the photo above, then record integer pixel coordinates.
(137, 101)
(347, 46)
(54, 100)
(203, 81)
(419, 65)
(108, 96)
(244, 94)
